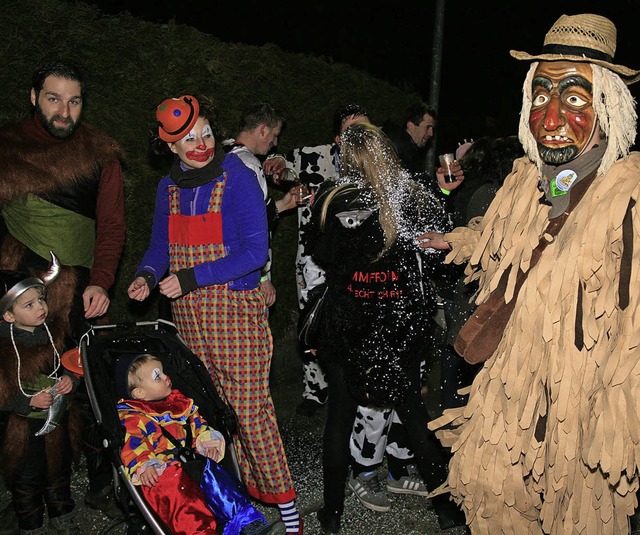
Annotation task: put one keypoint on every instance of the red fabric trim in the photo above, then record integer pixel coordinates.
(179, 502)
(176, 404)
(283, 497)
(196, 229)
(110, 226)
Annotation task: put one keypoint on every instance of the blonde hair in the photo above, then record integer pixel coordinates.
(133, 378)
(614, 107)
(368, 160)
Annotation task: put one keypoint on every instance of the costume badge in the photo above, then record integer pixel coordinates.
(562, 182)
(353, 218)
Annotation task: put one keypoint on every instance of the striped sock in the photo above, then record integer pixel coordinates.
(290, 516)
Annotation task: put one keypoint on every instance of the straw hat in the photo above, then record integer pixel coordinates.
(586, 38)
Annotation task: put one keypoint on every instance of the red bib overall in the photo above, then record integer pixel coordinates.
(229, 331)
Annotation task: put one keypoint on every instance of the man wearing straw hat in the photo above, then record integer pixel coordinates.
(549, 441)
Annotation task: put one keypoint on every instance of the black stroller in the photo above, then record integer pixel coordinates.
(99, 349)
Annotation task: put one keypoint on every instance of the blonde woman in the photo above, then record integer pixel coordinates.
(363, 235)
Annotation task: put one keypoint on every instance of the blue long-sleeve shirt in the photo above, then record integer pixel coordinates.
(244, 229)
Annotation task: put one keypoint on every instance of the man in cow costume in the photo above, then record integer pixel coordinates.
(313, 165)
(548, 442)
(61, 190)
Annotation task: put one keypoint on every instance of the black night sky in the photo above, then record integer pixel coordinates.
(480, 84)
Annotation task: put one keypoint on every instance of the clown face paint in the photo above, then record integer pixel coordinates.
(562, 119)
(153, 383)
(196, 149)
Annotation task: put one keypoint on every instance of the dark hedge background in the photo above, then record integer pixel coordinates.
(131, 65)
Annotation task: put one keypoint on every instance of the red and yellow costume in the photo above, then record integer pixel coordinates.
(176, 497)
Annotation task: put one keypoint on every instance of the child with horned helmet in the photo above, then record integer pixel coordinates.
(34, 391)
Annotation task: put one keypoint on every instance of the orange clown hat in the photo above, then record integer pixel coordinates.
(176, 117)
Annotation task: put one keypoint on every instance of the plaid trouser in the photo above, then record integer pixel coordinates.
(229, 331)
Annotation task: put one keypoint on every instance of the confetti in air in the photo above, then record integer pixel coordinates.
(381, 319)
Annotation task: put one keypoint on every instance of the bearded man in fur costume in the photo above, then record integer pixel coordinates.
(548, 442)
(61, 190)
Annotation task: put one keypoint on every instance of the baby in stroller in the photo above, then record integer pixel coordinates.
(173, 454)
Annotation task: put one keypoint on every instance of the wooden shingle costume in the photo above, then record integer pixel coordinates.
(549, 441)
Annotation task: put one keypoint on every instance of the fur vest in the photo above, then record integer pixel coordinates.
(34, 361)
(34, 162)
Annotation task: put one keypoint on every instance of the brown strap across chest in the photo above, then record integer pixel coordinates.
(482, 332)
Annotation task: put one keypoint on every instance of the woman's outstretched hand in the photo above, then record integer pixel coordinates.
(433, 240)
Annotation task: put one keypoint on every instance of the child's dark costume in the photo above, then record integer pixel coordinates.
(37, 469)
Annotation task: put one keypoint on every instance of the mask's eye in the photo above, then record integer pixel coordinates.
(540, 100)
(576, 101)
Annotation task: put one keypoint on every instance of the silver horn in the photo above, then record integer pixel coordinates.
(54, 270)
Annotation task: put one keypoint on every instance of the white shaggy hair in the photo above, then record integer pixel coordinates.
(614, 107)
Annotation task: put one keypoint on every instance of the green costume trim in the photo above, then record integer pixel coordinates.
(38, 224)
(41, 383)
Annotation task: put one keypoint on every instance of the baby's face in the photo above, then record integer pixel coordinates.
(154, 384)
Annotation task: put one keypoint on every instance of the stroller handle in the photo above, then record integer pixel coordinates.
(131, 325)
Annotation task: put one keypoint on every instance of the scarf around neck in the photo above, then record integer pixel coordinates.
(192, 178)
(582, 166)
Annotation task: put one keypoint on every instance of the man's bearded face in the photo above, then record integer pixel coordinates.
(58, 105)
(562, 119)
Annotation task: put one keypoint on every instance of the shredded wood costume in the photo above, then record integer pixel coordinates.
(210, 228)
(548, 441)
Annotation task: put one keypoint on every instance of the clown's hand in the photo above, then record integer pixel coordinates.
(138, 289)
